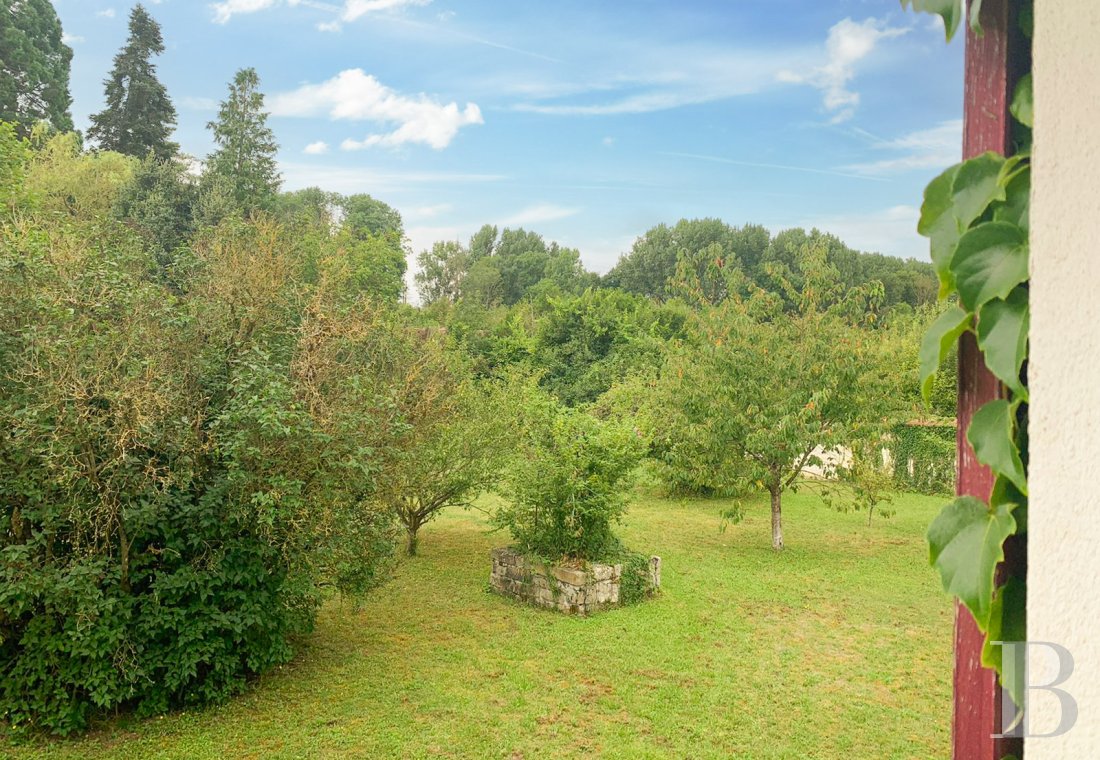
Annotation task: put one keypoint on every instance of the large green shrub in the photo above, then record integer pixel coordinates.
(567, 484)
(182, 471)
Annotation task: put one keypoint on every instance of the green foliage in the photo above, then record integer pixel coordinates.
(455, 432)
(923, 457)
(67, 182)
(14, 157)
(965, 545)
(139, 117)
(976, 214)
(182, 470)
(242, 173)
(34, 67)
(750, 399)
(159, 202)
(568, 483)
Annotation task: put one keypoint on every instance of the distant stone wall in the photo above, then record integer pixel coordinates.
(573, 590)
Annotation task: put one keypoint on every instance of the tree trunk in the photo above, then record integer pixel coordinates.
(777, 518)
(413, 541)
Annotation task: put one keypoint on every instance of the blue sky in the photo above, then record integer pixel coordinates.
(586, 121)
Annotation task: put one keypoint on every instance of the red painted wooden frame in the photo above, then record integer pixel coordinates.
(994, 61)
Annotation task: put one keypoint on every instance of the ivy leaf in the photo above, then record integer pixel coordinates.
(1017, 202)
(977, 185)
(950, 10)
(937, 223)
(989, 261)
(1002, 337)
(939, 339)
(991, 435)
(1022, 104)
(965, 543)
(1007, 622)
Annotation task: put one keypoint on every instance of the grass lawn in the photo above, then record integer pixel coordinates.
(840, 647)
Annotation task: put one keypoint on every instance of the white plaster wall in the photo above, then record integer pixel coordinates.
(1064, 371)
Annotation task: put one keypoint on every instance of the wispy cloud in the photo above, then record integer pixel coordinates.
(71, 39)
(781, 167)
(354, 9)
(848, 43)
(663, 77)
(426, 212)
(354, 95)
(538, 213)
(318, 148)
(350, 10)
(227, 9)
(933, 148)
(106, 13)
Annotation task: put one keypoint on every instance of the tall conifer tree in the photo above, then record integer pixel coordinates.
(139, 117)
(244, 162)
(34, 66)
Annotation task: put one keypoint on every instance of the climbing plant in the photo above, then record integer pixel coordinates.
(976, 216)
(924, 457)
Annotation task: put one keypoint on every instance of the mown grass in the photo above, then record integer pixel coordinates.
(837, 648)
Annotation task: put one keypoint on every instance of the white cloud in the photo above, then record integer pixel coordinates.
(349, 11)
(892, 231)
(194, 103)
(933, 148)
(226, 9)
(540, 212)
(106, 13)
(71, 39)
(354, 9)
(353, 95)
(427, 212)
(318, 148)
(609, 141)
(848, 43)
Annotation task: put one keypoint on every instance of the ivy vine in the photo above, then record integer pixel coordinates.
(976, 217)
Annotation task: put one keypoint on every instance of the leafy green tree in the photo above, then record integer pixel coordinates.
(761, 392)
(34, 66)
(364, 215)
(651, 266)
(139, 117)
(440, 272)
(454, 431)
(242, 170)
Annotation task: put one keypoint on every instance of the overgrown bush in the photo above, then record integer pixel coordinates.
(183, 471)
(567, 484)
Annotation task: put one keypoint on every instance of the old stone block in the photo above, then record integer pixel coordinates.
(570, 575)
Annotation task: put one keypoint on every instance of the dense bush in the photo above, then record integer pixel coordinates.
(567, 484)
(183, 470)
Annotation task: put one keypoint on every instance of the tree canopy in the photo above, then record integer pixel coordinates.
(34, 66)
(242, 170)
(139, 117)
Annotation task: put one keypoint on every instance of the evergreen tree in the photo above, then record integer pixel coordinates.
(34, 66)
(244, 163)
(139, 117)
